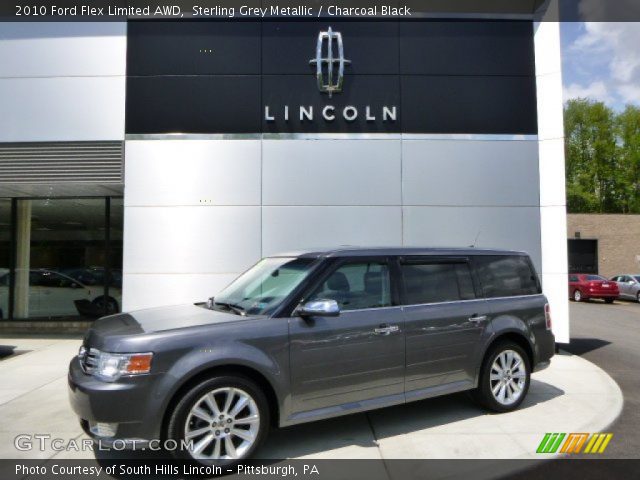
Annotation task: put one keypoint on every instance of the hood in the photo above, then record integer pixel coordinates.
(159, 319)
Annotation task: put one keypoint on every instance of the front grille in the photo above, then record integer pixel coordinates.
(88, 359)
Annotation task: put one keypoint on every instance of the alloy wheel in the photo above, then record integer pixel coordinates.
(222, 425)
(508, 377)
(577, 295)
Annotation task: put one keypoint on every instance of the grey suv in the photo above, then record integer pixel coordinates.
(313, 335)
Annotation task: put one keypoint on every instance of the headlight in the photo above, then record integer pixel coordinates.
(111, 366)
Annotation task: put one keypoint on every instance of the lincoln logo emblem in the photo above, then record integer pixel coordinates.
(331, 81)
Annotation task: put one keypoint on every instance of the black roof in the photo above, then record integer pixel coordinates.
(354, 251)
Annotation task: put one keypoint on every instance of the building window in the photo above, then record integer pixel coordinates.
(67, 259)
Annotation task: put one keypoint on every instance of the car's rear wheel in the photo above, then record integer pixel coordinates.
(577, 295)
(106, 305)
(609, 300)
(224, 419)
(504, 378)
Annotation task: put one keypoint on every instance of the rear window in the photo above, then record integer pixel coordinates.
(506, 276)
(429, 282)
(595, 277)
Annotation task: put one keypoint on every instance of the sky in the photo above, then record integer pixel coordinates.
(601, 61)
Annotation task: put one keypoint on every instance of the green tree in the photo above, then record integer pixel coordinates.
(629, 147)
(595, 180)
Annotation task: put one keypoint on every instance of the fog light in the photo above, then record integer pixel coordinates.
(103, 429)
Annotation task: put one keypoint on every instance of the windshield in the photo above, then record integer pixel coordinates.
(260, 289)
(595, 277)
(636, 278)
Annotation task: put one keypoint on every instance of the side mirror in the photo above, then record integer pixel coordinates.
(319, 308)
(631, 282)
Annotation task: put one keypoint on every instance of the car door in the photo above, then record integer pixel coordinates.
(628, 287)
(444, 322)
(357, 356)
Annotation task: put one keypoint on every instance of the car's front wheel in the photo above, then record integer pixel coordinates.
(222, 420)
(504, 378)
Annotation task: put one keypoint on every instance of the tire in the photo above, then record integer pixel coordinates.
(518, 375)
(638, 297)
(217, 449)
(577, 296)
(112, 305)
(609, 300)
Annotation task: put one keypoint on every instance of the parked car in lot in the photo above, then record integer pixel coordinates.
(54, 294)
(312, 335)
(629, 286)
(584, 286)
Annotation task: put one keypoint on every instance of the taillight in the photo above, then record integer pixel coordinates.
(547, 316)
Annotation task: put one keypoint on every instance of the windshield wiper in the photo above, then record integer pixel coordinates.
(237, 309)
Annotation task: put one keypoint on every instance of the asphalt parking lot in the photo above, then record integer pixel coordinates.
(609, 336)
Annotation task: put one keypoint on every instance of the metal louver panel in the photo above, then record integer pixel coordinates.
(61, 162)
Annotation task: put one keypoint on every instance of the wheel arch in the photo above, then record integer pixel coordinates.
(230, 369)
(516, 337)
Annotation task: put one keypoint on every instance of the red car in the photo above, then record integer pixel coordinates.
(584, 286)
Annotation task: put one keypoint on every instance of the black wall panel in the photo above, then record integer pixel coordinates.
(466, 48)
(287, 47)
(469, 77)
(193, 48)
(193, 104)
(482, 105)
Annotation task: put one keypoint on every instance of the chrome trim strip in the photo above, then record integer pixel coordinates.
(193, 136)
(469, 136)
(331, 136)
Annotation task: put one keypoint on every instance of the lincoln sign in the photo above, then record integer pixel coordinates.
(330, 64)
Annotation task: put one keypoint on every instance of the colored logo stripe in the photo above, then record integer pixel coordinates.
(574, 443)
(550, 443)
(597, 442)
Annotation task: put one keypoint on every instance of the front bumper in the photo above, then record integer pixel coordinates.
(127, 403)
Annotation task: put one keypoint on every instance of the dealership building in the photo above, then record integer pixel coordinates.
(146, 163)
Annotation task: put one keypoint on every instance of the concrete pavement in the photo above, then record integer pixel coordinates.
(572, 395)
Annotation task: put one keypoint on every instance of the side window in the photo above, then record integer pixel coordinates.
(436, 282)
(506, 276)
(356, 286)
(573, 278)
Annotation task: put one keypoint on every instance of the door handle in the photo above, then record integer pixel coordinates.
(477, 318)
(386, 329)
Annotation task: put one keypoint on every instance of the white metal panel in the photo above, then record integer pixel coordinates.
(192, 172)
(291, 228)
(62, 49)
(470, 173)
(553, 231)
(514, 228)
(555, 287)
(190, 239)
(154, 290)
(552, 173)
(554, 258)
(62, 109)
(331, 172)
